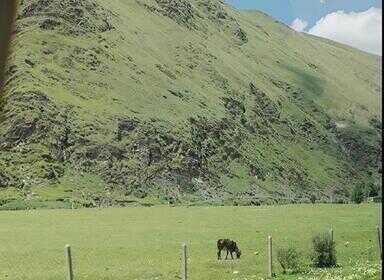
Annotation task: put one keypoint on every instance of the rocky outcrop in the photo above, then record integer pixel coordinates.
(75, 17)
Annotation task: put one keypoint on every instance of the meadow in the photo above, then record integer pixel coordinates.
(144, 243)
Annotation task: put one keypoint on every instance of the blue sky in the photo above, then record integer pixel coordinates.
(353, 22)
(309, 10)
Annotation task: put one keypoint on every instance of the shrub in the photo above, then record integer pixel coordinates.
(357, 195)
(289, 259)
(15, 205)
(371, 189)
(323, 251)
(313, 198)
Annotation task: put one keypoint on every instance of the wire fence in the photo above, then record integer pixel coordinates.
(166, 262)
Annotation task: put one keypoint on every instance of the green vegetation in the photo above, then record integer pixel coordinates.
(145, 243)
(289, 259)
(323, 251)
(114, 103)
(357, 195)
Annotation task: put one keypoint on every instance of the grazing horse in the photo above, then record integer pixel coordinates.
(228, 245)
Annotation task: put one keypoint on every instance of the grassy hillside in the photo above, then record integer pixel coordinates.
(145, 243)
(172, 100)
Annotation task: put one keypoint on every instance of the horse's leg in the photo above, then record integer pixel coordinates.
(219, 254)
(231, 255)
(226, 257)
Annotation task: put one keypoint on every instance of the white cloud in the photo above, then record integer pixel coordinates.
(322, 1)
(360, 30)
(299, 25)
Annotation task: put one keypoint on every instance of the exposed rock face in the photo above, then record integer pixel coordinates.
(34, 117)
(180, 99)
(124, 127)
(180, 11)
(216, 12)
(192, 15)
(75, 17)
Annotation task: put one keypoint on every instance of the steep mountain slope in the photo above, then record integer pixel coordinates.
(116, 101)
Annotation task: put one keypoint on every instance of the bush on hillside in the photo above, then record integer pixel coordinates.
(323, 251)
(357, 195)
(371, 189)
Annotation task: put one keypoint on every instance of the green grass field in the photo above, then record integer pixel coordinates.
(144, 243)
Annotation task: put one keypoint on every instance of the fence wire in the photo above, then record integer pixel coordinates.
(104, 258)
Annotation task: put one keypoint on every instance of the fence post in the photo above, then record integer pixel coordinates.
(331, 234)
(270, 274)
(379, 242)
(184, 262)
(68, 258)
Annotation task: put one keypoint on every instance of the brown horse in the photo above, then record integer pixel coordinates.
(228, 245)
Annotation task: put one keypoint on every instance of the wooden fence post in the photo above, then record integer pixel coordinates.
(331, 234)
(379, 242)
(270, 273)
(184, 274)
(68, 258)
